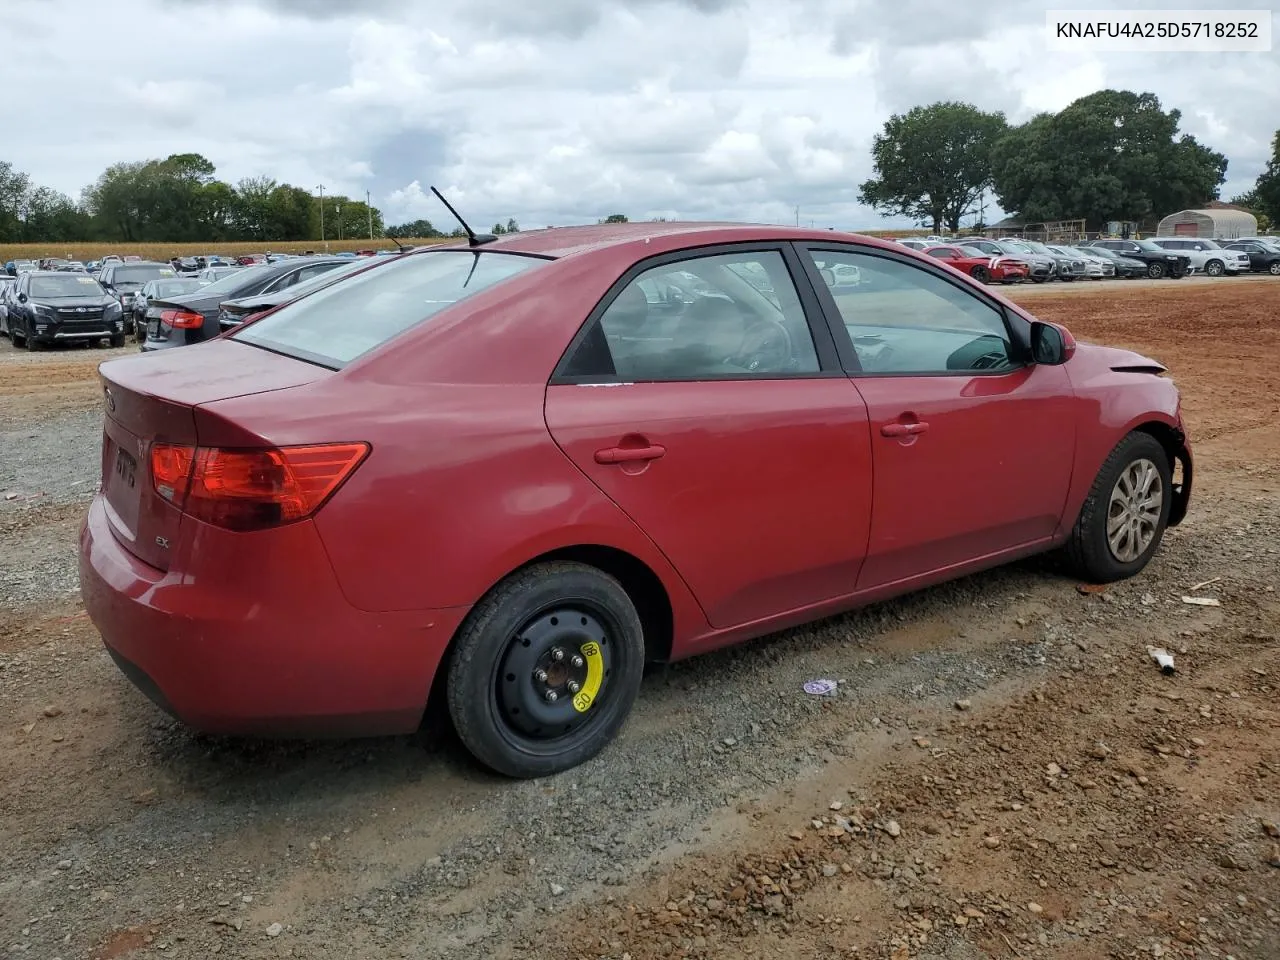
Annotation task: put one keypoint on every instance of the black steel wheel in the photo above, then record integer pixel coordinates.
(545, 669)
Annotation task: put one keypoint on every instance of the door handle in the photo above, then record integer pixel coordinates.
(651, 451)
(904, 429)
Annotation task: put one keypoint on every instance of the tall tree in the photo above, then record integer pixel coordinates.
(113, 201)
(1266, 193)
(615, 218)
(414, 229)
(1113, 155)
(14, 186)
(253, 207)
(50, 215)
(933, 162)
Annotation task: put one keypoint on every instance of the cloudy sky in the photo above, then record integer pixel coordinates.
(563, 111)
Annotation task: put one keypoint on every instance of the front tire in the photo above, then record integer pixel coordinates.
(33, 345)
(545, 669)
(117, 340)
(1215, 268)
(1124, 517)
(1155, 270)
(1274, 269)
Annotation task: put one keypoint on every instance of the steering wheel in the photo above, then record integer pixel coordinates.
(766, 345)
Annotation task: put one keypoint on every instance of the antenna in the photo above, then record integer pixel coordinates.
(474, 239)
(399, 246)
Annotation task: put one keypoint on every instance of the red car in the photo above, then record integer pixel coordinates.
(511, 473)
(981, 266)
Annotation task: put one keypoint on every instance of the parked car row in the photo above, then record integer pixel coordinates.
(1012, 260)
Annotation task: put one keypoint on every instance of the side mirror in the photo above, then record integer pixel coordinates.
(828, 276)
(1051, 345)
(22, 298)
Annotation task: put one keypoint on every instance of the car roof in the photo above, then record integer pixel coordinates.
(49, 273)
(560, 242)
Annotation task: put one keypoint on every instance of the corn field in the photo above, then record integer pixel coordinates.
(85, 252)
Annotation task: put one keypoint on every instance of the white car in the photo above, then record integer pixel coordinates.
(1095, 267)
(918, 243)
(1207, 256)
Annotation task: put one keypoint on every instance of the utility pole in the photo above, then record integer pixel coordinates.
(370, 209)
(797, 215)
(337, 208)
(320, 187)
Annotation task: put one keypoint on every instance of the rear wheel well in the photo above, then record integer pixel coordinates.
(641, 584)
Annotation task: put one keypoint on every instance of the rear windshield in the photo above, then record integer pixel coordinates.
(175, 288)
(71, 285)
(241, 277)
(339, 323)
(139, 274)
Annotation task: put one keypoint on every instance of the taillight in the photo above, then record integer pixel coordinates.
(182, 319)
(171, 470)
(252, 489)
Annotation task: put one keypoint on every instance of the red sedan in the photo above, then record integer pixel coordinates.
(981, 266)
(512, 473)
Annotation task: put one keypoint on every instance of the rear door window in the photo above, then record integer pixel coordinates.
(338, 323)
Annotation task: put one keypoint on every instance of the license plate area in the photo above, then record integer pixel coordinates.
(153, 329)
(122, 487)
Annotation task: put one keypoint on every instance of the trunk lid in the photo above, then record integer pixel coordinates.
(155, 397)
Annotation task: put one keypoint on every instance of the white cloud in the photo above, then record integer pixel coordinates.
(556, 112)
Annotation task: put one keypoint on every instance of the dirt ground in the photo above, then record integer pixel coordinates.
(1002, 773)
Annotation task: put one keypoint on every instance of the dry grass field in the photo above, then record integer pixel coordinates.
(163, 251)
(85, 252)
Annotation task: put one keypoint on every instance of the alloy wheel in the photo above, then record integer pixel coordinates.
(1133, 514)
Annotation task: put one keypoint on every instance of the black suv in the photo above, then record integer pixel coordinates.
(123, 280)
(193, 317)
(1160, 262)
(47, 307)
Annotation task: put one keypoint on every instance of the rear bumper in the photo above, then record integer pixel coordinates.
(258, 640)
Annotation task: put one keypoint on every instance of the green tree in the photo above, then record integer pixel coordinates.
(1113, 155)
(414, 229)
(113, 201)
(1266, 193)
(252, 209)
(615, 218)
(50, 215)
(14, 187)
(512, 226)
(933, 162)
(345, 218)
(289, 215)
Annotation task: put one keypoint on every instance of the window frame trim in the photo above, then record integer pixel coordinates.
(824, 345)
(1016, 326)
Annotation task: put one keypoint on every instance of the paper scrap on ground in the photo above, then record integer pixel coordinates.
(821, 688)
(1202, 601)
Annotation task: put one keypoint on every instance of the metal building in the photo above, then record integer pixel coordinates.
(1223, 222)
